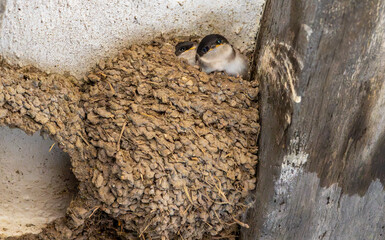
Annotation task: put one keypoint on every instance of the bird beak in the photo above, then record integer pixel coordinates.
(214, 46)
(192, 48)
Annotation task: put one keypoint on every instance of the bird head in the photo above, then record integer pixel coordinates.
(211, 42)
(184, 47)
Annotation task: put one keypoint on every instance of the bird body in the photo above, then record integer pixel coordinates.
(215, 53)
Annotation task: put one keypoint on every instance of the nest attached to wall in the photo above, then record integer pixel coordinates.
(163, 148)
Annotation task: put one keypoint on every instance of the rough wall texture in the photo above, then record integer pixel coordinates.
(321, 174)
(72, 35)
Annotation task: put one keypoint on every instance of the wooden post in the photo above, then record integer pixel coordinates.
(322, 144)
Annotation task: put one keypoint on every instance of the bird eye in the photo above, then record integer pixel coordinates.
(183, 49)
(205, 49)
(219, 41)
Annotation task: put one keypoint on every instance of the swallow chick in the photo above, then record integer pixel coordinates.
(215, 53)
(187, 51)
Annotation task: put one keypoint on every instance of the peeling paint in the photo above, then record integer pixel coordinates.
(308, 31)
(292, 166)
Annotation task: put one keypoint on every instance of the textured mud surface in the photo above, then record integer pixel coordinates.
(160, 149)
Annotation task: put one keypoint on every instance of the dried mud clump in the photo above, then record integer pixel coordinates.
(36, 101)
(175, 148)
(166, 150)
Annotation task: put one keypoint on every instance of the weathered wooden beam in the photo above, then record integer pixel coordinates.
(322, 144)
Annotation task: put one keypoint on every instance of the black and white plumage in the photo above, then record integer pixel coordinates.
(187, 51)
(215, 53)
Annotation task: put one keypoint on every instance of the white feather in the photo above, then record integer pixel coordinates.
(237, 66)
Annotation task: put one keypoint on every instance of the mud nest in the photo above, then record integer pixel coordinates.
(164, 149)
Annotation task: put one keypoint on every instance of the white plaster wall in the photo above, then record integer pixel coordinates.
(71, 35)
(36, 186)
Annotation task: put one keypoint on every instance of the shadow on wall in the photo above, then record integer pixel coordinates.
(36, 182)
(2, 10)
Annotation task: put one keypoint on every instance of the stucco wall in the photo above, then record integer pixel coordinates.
(71, 35)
